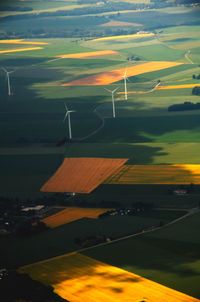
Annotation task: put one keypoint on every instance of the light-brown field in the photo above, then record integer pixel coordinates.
(71, 214)
(22, 42)
(109, 77)
(119, 24)
(78, 278)
(184, 86)
(85, 55)
(82, 175)
(19, 50)
(157, 174)
(132, 36)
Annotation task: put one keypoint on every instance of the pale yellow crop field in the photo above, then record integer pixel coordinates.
(19, 50)
(85, 55)
(184, 86)
(119, 23)
(71, 214)
(78, 278)
(157, 174)
(132, 36)
(22, 42)
(109, 77)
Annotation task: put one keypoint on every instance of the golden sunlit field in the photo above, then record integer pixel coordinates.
(184, 86)
(157, 174)
(21, 42)
(72, 214)
(78, 278)
(85, 55)
(132, 36)
(110, 77)
(19, 50)
(82, 175)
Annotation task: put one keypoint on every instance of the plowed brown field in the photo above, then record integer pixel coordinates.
(91, 54)
(72, 214)
(110, 77)
(157, 174)
(78, 278)
(82, 175)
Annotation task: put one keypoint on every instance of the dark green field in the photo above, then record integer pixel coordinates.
(169, 256)
(61, 240)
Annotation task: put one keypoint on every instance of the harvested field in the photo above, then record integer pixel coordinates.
(184, 86)
(82, 175)
(19, 50)
(22, 42)
(109, 77)
(118, 23)
(79, 278)
(157, 174)
(85, 55)
(71, 214)
(132, 36)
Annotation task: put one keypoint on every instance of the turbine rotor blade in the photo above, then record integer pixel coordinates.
(108, 90)
(66, 107)
(66, 114)
(115, 90)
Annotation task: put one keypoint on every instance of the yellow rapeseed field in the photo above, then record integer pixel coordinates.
(109, 77)
(21, 42)
(19, 50)
(132, 36)
(85, 55)
(72, 214)
(184, 86)
(157, 174)
(78, 278)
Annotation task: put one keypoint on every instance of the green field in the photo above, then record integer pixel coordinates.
(61, 239)
(169, 256)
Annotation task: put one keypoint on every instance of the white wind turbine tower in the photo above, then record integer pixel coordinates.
(67, 114)
(125, 85)
(8, 78)
(113, 99)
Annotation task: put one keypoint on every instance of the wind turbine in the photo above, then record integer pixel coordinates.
(8, 78)
(67, 114)
(113, 99)
(125, 85)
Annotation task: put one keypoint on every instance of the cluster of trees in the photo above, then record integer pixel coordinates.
(184, 106)
(196, 90)
(133, 58)
(196, 76)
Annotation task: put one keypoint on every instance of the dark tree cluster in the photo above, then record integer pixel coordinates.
(196, 90)
(196, 76)
(185, 106)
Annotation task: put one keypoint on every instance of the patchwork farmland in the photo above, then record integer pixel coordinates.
(56, 55)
